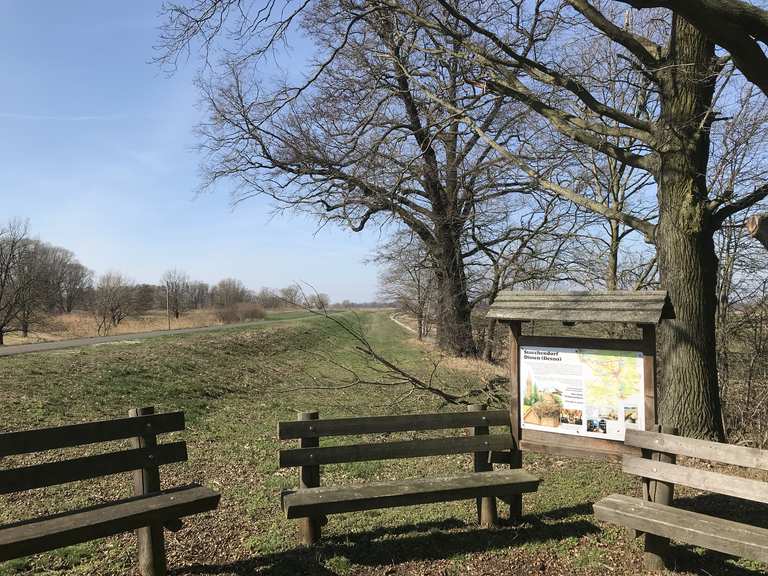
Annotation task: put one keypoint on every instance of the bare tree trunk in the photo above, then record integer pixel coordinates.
(612, 280)
(490, 336)
(420, 326)
(25, 329)
(684, 240)
(454, 329)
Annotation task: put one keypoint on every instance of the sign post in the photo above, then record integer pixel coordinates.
(573, 395)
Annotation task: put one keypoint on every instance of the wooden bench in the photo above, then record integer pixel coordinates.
(312, 503)
(148, 511)
(654, 516)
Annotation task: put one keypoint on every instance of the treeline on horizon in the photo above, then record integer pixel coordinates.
(39, 280)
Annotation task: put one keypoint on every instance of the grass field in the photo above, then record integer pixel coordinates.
(235, 386)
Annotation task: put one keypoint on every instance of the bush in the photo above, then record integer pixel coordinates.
(240, 313)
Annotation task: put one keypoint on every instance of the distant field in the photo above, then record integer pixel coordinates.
(83, 325)
(235, 386)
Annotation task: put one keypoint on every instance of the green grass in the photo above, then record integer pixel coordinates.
(235, 386)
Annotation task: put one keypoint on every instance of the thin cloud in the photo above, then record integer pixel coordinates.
(63, 118)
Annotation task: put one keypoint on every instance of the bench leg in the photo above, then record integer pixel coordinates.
(309, 477)
(487, 515)
(152, 560)
(656, 547)
(516, 500)
(151, 539)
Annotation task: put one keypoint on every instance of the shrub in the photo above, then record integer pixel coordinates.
(240, 313)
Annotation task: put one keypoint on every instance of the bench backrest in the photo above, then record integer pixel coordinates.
(652, 469)
(144, 453)
(310, 431)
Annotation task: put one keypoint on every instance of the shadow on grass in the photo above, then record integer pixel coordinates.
(422, 541)
(427, 541)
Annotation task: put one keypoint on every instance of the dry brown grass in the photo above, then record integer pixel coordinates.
(83, 325)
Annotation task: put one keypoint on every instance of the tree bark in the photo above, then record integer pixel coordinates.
(757, 226)
(454, 328)
(684, 238)
(612, 281)
(489, 340)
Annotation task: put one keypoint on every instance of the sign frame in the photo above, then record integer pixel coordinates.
(571, 445)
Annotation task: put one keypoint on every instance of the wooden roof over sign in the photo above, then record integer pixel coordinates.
(646, 307)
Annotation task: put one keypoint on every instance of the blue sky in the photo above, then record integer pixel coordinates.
(97, 151)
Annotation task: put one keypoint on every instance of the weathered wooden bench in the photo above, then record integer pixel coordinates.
(654, 516)
(312, 503)
(149, 511)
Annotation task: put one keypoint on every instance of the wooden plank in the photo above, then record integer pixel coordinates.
(42, 534)
(387, 424)
(409, 492)
(745, 488)
(575, 315)
(650, 306)
(575, 446)
(703, 449)
(392, 450)
(684, 526)
(585, 295)
(53, 473)
(28, 441)
(583, 343)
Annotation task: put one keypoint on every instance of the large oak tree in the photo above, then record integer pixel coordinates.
(670, 141)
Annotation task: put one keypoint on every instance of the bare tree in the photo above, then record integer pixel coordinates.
(682, 71)
(112, 300)
(291, 294)
(176, 284)
(739, 27)
(361, 146)
(229, 292)
(14, 244)
(407, 279)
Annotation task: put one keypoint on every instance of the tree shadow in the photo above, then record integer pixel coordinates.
(727, 507)
(421, 541)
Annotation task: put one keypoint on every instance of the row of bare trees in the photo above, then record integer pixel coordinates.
(38, 281)
(554, 131)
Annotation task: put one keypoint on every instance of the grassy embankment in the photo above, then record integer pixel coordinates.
(234, 387)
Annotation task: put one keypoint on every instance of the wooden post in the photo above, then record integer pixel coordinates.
(656, 547)
(649, 375)
(309, 477)
(151, 540)
(487, 516)
(516, 456)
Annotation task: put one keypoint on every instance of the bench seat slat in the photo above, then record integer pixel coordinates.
(86, 467)
(745, 488)
(331, 500)
(703, 449)
(685, 526)
(29, 441)
(391, 450)
(386, 424)
(43, 534)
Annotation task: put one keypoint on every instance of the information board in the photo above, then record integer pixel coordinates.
(585, 392)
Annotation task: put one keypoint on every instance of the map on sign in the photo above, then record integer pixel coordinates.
(596, 393)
